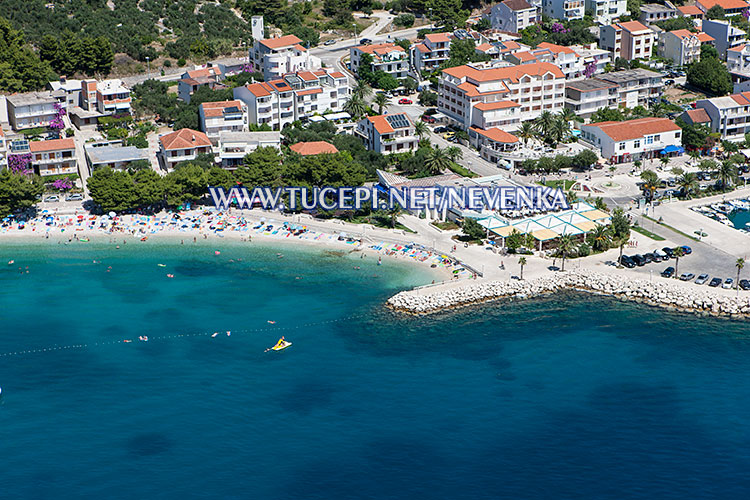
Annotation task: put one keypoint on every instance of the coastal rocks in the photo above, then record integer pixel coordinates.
(660, 293)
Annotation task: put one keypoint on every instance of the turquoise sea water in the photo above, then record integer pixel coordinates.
(740, 219)
(566, 397)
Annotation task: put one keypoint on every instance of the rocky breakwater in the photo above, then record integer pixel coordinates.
(661, 293)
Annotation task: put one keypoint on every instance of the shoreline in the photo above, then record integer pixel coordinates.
(435, 299)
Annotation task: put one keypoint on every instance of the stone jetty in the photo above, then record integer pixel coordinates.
(661, 293)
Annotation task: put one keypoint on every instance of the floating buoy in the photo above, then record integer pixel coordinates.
(271, 322)
(170, 275)
(217, 252)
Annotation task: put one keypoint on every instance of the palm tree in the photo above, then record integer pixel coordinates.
(726, 172)
(601, 238)
(355, 106)
(544, 123)
(620, 230)
(739, 265)
(694, 155)
(420, 128)
(522, 262)
(436, 161)
(677, 252)
(664, 160)
(650, 183)
(688, 182)
(393, 213)
(560, 130)
(658, 110)
(362, 90)
(564, 246)
(569, 115)
(454, 153)
(526, 132)
(381, 100)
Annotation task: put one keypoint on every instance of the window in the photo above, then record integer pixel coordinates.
(622, 146)
(657, 138)
(650, 139)
(637, 144)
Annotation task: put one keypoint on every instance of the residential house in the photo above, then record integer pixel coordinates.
(387, 57)
(682, 46)
(566, 10)
(190, 81)
(275, 57)
(730, 115)
(492, 143)
(725, 35)
(233, 146)
(483, 96)
(593, 56)
(182, 145)
(585, 97)
(388, 134)
(98, 99)
(431, 53)
(223, 115)
(33, 109)
(738, 64)
(70, 89)
(313, 148)
(731, 7)
(691, 11)
(53, 157)
(635, 87)
(606, 11)
(114, 157)
(633, 140)
(3, 150)
(499, 49)
(296, 96)
(629, 40)
(652, 13)
(513, 15)
(696, 117)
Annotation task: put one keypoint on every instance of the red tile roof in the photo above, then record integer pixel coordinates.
(513, 73)
(313, 148)
(490, 106)
(214, 109)
(484, 47)
(497, 135)
(634, 129)
(705, 37)
(277, 43)
(438, 37)
(337, 74)
(525, 56)
(556, 48)
(309, 91)
(381, 48)
(382, 125)
(738, 48)
(724, 4)
(690, 10)
(184, 139)
(307, 76)
(698, 115)
(743, 98)
(52, 145)
(210, 71)
(260, 89)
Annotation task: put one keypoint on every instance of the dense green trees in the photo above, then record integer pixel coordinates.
(18, 191)
(71, 53)
(20, 68)
(710, 74)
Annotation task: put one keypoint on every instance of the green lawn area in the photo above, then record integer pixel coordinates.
(446, 226)
(464, 172)
(565, 184)
(647, 233)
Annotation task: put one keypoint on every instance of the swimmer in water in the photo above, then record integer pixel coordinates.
(215, 334)
(229, 333)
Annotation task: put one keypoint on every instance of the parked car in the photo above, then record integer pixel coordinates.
(701, 279)
(669, 82)
(448, 135)
(440, 130)
(745, 284)
(365, 41)
(329, 42)
(686, 276)
(662, 254)
(428, 119)
(405, 101)
(668, 272)
(52, 198)
(627, 262)
(639, 260)
(668, 251)
(654, 257)
(74, 197)
(715, 282)
(728, 283)
(686, 250)
(648, 258)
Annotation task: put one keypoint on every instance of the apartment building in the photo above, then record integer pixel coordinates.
(731, 7)
(3, 149)
(492, 143)
(112, 97)
(738, 64)
(483, 96)
(633, 140)
(629, 40)
(33, 109)
(296, 96)
(191, 81)
(53, 157)
(606, 11)
(682, 46)
(233, 146)
(387, 57)
(216, 117)
(182, 145)
(566, 10)
(68, 89)
(431, 53)
(585, 97)
(730, 115)
(114, 157)
(499, 49)
(725, 35)
(513, 15)
(387, 134)
(593, 56)
(635, 87)
(653, 12)
(275, 57)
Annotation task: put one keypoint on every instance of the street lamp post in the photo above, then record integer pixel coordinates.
(148, 62)
(355, 31)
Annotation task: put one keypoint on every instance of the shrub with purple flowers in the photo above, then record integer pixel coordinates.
(62, 184)
(20, 163)
(559, 28)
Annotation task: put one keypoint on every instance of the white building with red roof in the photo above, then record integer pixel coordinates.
(682, 46)
(182, 145)
(499, 49)
(432, 52)
(190, 81)
(386, 134)
(492, 142)
(54, 157)
(738, 64)
(275, 57)
(629, 40)
(633, 140)
(387, 57)
(513, 15)
(483, 96)
(215, 117)
(296, 96)
(731, 7)
(730, 115)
